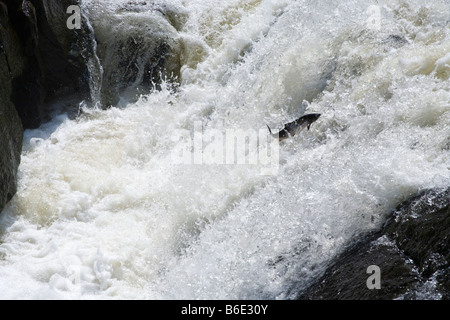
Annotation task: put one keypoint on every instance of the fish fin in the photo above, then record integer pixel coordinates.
(309, 126)
(270, 131)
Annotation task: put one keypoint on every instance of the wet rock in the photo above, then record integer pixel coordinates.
(11, 132)
(11, 135)
(421, 230)
(412, 251)
(138, 48)
(41, 61)
(54, 64)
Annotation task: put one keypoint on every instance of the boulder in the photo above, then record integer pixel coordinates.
(412, 251)
(138, 46)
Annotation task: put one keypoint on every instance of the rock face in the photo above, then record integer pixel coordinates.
(53, 62)
(11, 132)
(412, 251)
(41, 61)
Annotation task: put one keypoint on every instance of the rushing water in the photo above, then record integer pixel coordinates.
(104, 211)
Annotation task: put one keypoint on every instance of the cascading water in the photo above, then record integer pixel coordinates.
(103, 211)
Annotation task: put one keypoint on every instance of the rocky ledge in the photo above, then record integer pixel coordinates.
(412, 251)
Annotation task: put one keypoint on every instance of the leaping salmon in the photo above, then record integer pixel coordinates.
(291, 128)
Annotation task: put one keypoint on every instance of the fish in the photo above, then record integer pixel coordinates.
(292, 128)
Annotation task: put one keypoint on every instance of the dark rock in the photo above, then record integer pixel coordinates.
(54, 65)
(412, 251)
(421, 229)
(41, 61)
(11, 134)
(11, 131)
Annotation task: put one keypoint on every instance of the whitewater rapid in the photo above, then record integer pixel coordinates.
(102, 210)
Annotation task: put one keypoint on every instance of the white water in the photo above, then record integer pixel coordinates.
(103, 212)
